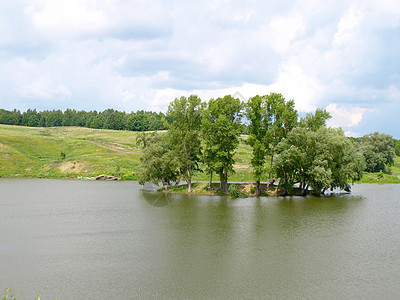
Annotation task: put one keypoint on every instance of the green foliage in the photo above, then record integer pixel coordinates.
(316, 120)
(320, 160)
(158, 162)
(236, 192)
(184, 134)
(257, 115)
(397, 148)
(378, 151)
(108, 119)
(281, 119)
(220, 132)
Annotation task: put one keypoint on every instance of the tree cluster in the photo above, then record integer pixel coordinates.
(297, 152)
(199, 132)
(378, 150)
(107, 119)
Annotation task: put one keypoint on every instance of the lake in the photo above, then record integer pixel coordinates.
(70, 239)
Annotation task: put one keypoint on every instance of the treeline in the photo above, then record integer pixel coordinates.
(107, 119)
(302, 155)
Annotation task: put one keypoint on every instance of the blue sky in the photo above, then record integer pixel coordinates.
(128, 55)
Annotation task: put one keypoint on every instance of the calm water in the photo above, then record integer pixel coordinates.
(112, 240)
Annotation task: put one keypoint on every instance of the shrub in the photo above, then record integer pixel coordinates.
(236, 192)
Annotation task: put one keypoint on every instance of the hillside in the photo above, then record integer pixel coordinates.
(61, 152)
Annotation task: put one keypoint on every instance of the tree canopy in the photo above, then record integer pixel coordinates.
(397, 148)
(184, 133)
(321, 160)
(221, 128)
(378, 151)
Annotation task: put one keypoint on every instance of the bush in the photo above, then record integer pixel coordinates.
(252, 189)
(236, 192)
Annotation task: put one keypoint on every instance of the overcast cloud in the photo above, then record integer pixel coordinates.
(130, 55)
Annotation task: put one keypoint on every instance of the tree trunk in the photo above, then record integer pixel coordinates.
(189, 180)
(304, 191)
(163, 181)
(179, 178)
(270, 172)
(258, 188)
(226, 182)
(210, 183)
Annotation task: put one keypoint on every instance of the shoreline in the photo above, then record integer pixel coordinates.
(369, 178)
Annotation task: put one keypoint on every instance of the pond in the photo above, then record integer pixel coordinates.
(70, 239)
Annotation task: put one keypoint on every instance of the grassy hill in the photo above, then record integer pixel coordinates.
(61, 152)
(67, 151)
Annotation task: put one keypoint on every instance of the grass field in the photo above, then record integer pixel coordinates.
(67, 151)
(62, 152)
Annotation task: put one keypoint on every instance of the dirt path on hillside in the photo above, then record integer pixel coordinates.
(117, 148)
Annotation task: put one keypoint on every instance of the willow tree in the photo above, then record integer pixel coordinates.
(158, 162)
(184, 133)
(320, 160)
(221, 129)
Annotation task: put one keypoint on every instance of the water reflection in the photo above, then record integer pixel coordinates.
(114, 240)
(270, 240)
(157, 199)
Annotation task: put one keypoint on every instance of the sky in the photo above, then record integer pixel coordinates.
(343, 56)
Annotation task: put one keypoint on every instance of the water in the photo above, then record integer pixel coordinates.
(112, 240)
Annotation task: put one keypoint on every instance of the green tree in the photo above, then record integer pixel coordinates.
(316, 120)
(158, 162)
(397, 148)
(378, 151)
(258, 125)
(320, 160)
(220, 131)
(142, 138)
(281, 119)
(184, 133)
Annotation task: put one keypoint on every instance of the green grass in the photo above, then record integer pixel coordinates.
(67, 151)
(384, 178)
(379, 178)
(396, 168)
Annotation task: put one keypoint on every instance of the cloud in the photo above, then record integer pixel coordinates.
(346, 117)
(139, 54)
(348, 26)
(98, 19)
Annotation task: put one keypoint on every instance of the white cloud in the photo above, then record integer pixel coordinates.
(293, 83)
(67, 17)
(142, 54)
(348, 117)
(347, 26)
(283, 30)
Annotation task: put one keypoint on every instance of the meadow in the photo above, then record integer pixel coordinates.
(62, 152)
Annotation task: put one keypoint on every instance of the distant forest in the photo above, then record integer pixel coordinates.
(107, 119)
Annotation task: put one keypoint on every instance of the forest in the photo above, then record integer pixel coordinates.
(107, 119)
(292, 155)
